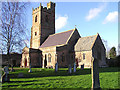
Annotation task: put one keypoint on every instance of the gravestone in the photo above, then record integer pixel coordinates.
(30, 67)
(95, 74)
(82, 66)
(56, 67)
(5, 77)
(74, 67)
(70, 69)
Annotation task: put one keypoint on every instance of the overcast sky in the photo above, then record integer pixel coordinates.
(90, 18)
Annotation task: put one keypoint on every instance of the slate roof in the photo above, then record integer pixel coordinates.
(57, 39)
(85, 43)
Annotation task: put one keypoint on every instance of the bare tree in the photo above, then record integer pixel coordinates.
(12, 27)
(106, 46)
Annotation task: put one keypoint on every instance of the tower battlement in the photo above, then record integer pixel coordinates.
(50, 6)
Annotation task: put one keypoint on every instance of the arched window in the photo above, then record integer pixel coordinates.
(83, 56)
(63, 57)
(36, 18)
(35, 33)
(49, 57)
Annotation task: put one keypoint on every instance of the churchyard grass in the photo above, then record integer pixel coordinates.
(48, 78)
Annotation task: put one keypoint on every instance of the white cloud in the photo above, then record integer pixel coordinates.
(60, 22)
(95, 12)
(111, 17)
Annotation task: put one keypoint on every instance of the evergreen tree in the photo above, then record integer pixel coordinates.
(112, 52)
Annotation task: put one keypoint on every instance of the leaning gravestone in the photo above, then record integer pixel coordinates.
(56, 67)
(70, 69)
(74, 67)
(5, 77)
(95, 74)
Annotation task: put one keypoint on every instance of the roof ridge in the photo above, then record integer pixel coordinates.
(88, 36)
(61, 32)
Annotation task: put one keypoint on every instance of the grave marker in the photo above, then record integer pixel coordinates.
(5, 77)
(56, 67)
(82, 66)
(74, 67)
(70, 69)
(95, 74)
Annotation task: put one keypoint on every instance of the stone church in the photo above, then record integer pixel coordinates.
(48, 48)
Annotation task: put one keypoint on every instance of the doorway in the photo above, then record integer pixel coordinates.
(45, 61)
(25, 62)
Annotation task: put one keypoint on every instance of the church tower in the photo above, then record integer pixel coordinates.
(43, 24)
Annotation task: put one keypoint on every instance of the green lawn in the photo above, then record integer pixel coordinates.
(47, 78)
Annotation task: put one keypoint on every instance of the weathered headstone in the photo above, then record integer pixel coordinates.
(70, 69)
(74, 67)
(95, 74)
(56, 67)
(5, 77)
(82, 66)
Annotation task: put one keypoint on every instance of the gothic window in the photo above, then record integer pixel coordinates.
(63, 57)
(46, 18)
(36, 18)
(49, 57)
(83, 56)
(35, 33)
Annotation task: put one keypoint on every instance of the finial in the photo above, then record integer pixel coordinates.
(40, 4)
(75, 26)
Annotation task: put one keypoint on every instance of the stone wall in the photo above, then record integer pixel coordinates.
(35, 57)
(81, 60)
(45, 53)
(99, 52)
(15, 59)
(25, 56)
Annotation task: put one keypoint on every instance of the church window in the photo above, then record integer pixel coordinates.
(63, 57)
(36, 18)
(49, 57)
(83, 56)
(35, 33)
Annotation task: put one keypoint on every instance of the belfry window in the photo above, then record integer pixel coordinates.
(49, 57)
(35, 33)
(36, 18)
